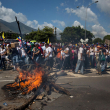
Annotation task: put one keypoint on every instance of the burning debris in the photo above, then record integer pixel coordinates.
(32, 83)
(27, 81)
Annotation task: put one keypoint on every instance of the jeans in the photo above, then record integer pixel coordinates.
(66, 63)
(27, 60)
(80, 63)
(103, 65)
(2, 64)
(24, 59)
(49, 61)
(15, 59)
(92, 60)
(37, 58)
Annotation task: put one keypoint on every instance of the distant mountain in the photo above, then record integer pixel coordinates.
(6, 27)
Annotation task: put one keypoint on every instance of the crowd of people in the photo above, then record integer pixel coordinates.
(74, 57)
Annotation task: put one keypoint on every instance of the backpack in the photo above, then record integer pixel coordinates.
(101, 57)
(41, 50)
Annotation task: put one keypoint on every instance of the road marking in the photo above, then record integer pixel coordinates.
(7, 80)
(84, 77)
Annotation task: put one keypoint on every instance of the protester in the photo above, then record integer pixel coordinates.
(14, 56)
(36, 53)
(69, 56)
(80, 62)
(49, 56)
(23, 55)
(92, 53)
(66, 63)
(2, 53)
(72, 58)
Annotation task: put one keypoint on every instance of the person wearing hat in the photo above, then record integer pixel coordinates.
(36, 53)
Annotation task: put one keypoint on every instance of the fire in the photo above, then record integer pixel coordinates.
(28, 81)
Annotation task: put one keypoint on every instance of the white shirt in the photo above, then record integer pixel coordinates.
(49, 49)
(91, 51)
(67, 49)
(95, 50)
(2, 51)
(79, 53)
(43, 48)
(23, 52)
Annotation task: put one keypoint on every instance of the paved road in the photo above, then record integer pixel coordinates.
(89, 91)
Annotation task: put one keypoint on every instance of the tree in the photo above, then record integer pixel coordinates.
(42, 35)
(97, 40)
(106, 37)
(75, 34)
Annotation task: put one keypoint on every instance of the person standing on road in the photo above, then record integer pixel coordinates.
(80, 62)
(49, 56)
(36, 53)
(2, 54)
(66, 63)
(92, 53)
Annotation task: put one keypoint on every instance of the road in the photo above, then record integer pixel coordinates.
(90, 91)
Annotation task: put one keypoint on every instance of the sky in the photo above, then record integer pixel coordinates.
(60, 14)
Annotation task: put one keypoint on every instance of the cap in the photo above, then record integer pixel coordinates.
(36, 43)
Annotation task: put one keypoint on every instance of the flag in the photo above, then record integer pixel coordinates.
(3, 37)
(48, 41)
(16, 38)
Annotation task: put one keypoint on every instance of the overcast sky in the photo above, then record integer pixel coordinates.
(59, 13)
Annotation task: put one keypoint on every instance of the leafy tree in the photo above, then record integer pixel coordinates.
(97, 40)
(75, 34)
(106, 37)
(42, 35)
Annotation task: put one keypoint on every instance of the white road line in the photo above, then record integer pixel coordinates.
(84, 77)
(7, 80)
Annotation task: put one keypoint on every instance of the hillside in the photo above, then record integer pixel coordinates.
(6, 26)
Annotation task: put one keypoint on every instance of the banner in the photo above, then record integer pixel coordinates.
(107, 41)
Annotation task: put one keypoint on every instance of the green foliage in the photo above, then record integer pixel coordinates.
(97, 40)
(74, 34)
(106, 37)
(42, 35)
(9, 35)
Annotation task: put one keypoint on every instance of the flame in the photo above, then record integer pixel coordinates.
(28, 81)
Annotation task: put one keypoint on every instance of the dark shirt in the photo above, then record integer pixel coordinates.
(36, 50)
(14, 52)
(103, 50)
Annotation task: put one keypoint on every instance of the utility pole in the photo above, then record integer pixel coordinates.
(55, 32)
